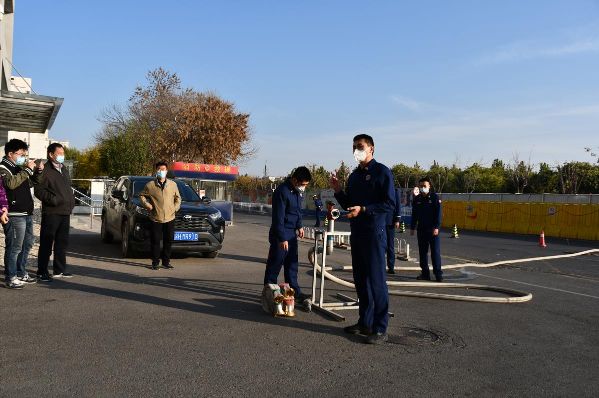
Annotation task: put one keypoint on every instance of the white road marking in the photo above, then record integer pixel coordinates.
(542, 287)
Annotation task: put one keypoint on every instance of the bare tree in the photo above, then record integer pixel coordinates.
(519, 172)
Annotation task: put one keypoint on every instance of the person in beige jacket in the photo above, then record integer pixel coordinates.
(162, 199)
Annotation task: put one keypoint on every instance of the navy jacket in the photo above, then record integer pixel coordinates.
(426, 212)
(395, 215)
(286, 212)
(372, 187)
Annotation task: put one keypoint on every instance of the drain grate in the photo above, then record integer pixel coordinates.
(413, 336)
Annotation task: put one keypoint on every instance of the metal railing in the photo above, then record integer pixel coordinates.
(256, 208)
(95, 206)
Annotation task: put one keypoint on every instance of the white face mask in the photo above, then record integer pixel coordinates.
(360, 155)
(425, 190)
(301, 188)
(161, 174)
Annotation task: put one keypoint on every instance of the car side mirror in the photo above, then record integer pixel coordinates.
(206, 200)
(118, 194)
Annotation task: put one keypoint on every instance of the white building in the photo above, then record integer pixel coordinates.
(24, 114)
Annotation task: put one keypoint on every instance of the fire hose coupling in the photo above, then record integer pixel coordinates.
(335, 214)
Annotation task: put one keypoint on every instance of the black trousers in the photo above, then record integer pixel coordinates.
(166, 233)
(54, 235)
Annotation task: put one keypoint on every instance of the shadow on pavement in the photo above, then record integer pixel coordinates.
(249, 259)
(234, 300)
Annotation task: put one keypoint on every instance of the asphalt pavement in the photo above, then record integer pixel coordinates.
(120, 328)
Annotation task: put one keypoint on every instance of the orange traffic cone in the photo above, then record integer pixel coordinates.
(542, 239)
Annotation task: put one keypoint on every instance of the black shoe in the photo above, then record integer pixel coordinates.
(62, 275)
(439, 278)
(303, 297)
(391, 271)
(423, 277)
(357, 329)
(155, 266)
(44, 278)
(376, 338)
(167, 266)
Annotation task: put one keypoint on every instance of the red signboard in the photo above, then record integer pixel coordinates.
(205, 168)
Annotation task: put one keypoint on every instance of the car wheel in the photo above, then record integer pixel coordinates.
(104, 234)
(211, 254)
(126, 250)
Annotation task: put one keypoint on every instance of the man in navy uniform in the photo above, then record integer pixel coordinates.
(285, 228)
(369, 198)
(426, 218)
(392, 225)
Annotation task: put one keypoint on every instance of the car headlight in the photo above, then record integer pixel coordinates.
(215, 216)
(143, 211)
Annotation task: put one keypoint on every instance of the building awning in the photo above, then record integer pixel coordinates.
(30, 113)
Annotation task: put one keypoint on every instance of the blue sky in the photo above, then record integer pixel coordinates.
(452, 81)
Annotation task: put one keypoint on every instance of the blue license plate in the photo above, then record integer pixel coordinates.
(187, 236)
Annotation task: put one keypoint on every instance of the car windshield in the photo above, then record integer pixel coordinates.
(187, 192)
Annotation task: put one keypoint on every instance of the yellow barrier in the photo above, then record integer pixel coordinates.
(494, 217)
(575, 221)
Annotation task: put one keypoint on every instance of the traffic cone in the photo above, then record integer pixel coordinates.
(542, 239)
(402, 228)
(454, 233)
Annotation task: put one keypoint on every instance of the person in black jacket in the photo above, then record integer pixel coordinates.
(426, 215)
(58, 202)
(18, 175)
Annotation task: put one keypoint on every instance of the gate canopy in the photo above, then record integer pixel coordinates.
(30, 113)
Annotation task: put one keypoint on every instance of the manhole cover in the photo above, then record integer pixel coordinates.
(412, 336)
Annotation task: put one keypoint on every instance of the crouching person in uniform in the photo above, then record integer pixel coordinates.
(286, 227)
(370, 200)
(426, 218)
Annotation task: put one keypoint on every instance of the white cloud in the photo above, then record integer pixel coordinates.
(407, 103)
(526, 50)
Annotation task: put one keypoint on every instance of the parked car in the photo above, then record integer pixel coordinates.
(199, 227)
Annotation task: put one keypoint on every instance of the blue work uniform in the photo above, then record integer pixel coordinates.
(286, 220)
(426, 217)
(318, 205)
(372, 187)
(392, 219)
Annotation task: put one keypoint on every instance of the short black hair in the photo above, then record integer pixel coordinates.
(302, 174)
(161, 163)
(15, 145)
(425, 179)
(364, 137)
(53, 146)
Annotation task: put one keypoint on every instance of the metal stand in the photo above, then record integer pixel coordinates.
(348, 303)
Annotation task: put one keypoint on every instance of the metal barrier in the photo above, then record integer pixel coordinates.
(402, 249)
(348, 303)
(256, 208)
(95, 206)
(339, 241)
